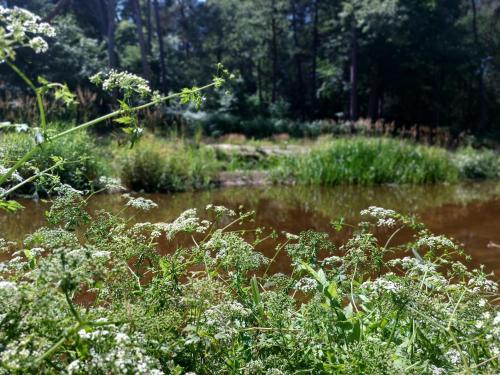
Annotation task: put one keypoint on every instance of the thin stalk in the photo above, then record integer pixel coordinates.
(39, 102)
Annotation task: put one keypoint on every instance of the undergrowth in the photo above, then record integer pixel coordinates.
(108, 302)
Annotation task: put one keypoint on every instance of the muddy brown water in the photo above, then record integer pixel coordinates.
(468, 212)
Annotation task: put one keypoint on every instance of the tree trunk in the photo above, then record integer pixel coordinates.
(482, 94)
(373, 98)
(149, 26)
(163, 70)
(314, 57)
(274, 52)
(110, 33)
(140, 34)
(259, 84)
(298, 61)
(353, 109)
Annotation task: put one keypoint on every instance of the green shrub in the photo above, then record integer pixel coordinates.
(477, 164)
(158, 165)
(369, 161)
(84, 159)
(213, 306)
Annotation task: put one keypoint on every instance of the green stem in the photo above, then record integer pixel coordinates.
(39, 102)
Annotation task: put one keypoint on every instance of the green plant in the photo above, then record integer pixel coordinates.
(111, 303)
(477, 164)
(369, 161)
(166, 165)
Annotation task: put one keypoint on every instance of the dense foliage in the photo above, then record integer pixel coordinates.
(431, 62)
(106, 301)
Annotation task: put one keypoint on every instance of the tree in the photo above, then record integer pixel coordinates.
(140, 33)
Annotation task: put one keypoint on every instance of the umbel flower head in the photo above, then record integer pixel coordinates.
(126, 82)
(21, 28)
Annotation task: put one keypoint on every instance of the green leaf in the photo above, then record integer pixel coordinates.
(10, 206)
(125, 120)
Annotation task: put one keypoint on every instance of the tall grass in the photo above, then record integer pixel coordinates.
(162, 165)
(368, 161)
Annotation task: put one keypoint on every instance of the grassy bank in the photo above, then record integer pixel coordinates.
(157, 164)
(370, 161)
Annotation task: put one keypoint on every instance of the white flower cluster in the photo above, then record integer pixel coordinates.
(306, 285)
(139, 203)
(188, 222)
(481, 284)
(20, 27)
(127, 82)
(434, 370)
(413, 265)
(381, 286)
(436, 242)
(378, 212)
(113, 351)
(112, 185)
(225, 319)
(334, 259)
(291, 236)
(220, 210)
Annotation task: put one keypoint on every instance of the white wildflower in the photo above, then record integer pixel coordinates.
(437, 370)
(140, 203)
(378, 212)
(39, 45)
(84, 334)
(496, 319)
(290, 236)
(220, 210)
(188, 222)
(388, 223)
(125, 81)
(111, 184)
(453, 356)
(438, 242)
(306, 285)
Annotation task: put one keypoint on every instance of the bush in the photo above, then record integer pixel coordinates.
(159, 165)
(84, 160)
(369, 161)
(212, 306)
(477, 164)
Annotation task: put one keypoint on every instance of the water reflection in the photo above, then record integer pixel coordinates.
(468, 212)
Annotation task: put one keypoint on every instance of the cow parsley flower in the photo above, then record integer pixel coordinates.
(378, 212)
(20, 27)
(220, 210)
(306, 284)
(453, 356)
(188, 222)
(126, 82)
(436, 242)
(111, 184)
(39, 45)
(139, 203)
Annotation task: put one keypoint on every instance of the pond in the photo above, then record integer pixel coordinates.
(468, 212)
